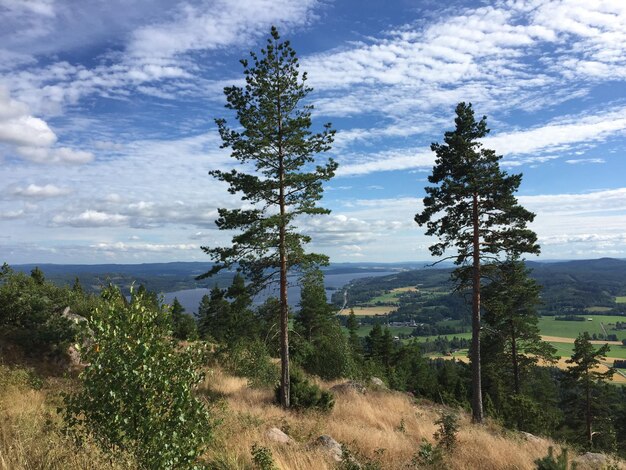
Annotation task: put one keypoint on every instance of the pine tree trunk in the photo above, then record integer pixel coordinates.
(477, 397)
(588, 413)
(284, 306)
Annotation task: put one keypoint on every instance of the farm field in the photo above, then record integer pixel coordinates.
(620, 299)
(570, 329)
(392, 295)
(370, 311)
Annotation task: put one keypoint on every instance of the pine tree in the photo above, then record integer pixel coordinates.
(214, 316)
(584, 370)
(511, 333)
(183, 326)
(284, 183)
(328, 355)
(77, 288)
(38, 276)
(471, 209)
(315, 311)
(241, 322)
(352, 324)
(203, 317)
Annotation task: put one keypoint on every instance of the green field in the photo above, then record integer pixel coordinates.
(620, 299)
(570, 329)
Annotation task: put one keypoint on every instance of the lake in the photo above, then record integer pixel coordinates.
(190, 298)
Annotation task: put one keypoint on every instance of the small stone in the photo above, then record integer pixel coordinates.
(276, 435)
(530, 437)
(377, 382)
(333, 448)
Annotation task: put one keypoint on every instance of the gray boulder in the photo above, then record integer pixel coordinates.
(331, 446)
(349, 386)
(276, 435)
(592, 460)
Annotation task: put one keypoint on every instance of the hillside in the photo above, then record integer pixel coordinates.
(381, 429)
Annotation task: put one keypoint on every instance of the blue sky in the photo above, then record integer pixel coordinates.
(107, 109)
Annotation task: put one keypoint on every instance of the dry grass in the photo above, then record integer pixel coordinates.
(30, 437)
(366, 424)
(370, 311)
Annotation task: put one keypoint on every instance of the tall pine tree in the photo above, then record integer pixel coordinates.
(471, 208)
(585, 371)
(280, 179)
(511, 333)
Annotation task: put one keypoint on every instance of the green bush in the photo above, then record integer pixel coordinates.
(550, 462)
(262, 458)
(30, 313)
(251, 360)
(306, 395)
(137, 392)
(448, 428)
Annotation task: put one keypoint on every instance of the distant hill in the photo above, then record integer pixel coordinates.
(175, 276)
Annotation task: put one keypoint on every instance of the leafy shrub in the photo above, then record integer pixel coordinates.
(30, 313)
(262, 458)
(137, 392)
(251, 360)
(306, 395)
(428, 456)
(448, 428)
(550, 462)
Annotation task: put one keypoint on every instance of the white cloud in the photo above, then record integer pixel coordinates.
(31, 137)
(40, 192)
(214, 24)
(583, 161)
(91, 218)
(143, 247)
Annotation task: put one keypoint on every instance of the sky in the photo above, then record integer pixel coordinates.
(107, 115)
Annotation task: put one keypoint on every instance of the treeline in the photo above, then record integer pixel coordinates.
(568, 288)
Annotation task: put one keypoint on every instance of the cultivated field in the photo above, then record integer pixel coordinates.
(370, 311)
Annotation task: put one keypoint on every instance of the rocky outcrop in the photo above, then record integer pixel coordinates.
(349, 386)
(592, 460)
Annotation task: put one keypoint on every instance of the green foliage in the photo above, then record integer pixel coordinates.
(511, 338)
(552, 462)
(472, 210)
(466, 173)
(262, 458)
(183, 325)
(355, 460)
(328, 353)
(137, 391)
(31, 312)
(448, 428)
(251, 360)
(428, 456)
(275, 138)
(307, 395)
(585, 374)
